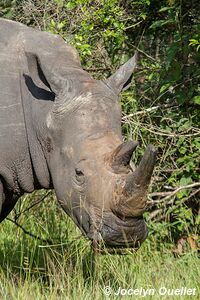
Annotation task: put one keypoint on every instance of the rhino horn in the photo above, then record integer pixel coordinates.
(143, 173)
(133, 203)
(121, 156)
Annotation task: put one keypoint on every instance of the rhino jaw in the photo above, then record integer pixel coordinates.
(117, 236)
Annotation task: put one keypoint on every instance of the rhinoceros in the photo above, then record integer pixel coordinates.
(61, 129)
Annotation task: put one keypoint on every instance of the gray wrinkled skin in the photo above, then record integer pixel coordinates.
(61, 129)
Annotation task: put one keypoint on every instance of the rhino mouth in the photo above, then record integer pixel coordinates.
(117, 236)
(111, 234)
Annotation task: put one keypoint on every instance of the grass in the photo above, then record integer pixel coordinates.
(68, 269)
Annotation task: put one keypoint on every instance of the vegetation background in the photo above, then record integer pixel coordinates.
(42, 255)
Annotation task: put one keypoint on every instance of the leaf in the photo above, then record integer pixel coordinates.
(175, 71)
(160, 23)
(70, 5)
(166, 8)
(165, 87)
(181, 96)
(196, 100)
(193, 42)
(53, 23)
(182, 150)
(143, 16)
(185, 181)
(171, 53)
(60, 25)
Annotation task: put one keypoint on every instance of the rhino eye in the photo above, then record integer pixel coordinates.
(80, 178)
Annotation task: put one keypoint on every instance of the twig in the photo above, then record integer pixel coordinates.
(141, 51)
(155, 213)
(192, 194)
(160, 210)
(173, 134)
(133, 25)
(32, 205)
(168, 195)
(16, 217)
(142, 112)
(29, 233)
(96, 69)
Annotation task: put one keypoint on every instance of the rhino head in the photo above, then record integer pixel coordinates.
(89, 162)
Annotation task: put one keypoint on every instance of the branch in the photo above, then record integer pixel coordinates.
(29, 233)
(141, 51)
(172, 134)
(160, 210)
(142, 112)
(96, 69)
(168, 195)
(16, 217)
(32, 205)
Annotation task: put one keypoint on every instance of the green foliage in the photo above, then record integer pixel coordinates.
(195, 43)
(7, 8)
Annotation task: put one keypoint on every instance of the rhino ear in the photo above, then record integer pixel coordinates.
(121, 79)
(39, 67)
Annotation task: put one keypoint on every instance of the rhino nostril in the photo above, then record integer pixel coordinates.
(79, 172)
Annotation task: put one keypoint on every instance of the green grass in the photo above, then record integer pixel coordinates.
(68, 269)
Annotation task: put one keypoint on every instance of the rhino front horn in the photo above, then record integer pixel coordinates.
(133, 201)
(142, 175)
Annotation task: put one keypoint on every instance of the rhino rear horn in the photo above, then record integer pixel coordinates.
(121, 156)
(121, 79)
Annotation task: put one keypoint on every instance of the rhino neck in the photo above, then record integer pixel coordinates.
(35, 111)
(23, 166)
